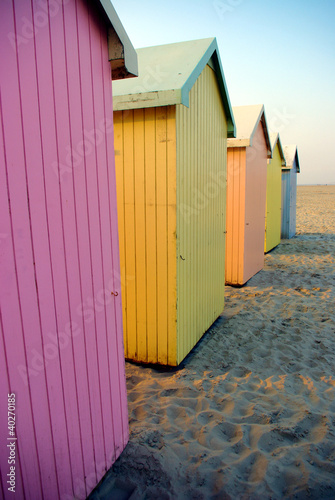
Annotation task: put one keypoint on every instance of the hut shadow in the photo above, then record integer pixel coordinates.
(202, 342)
(305, 244)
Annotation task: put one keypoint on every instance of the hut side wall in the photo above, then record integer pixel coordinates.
(255, 201)
(201, 207)
(293, 200)
(273, 202)
(145, 147)
(286, 202)
(61, 349)
(236, 158)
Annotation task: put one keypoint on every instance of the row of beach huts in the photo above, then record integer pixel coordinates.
(125, 209)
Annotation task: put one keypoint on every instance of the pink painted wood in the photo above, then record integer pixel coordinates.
(255, 202)
(246, 199)
(61, 348)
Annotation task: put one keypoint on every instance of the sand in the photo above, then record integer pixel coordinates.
(250, 413)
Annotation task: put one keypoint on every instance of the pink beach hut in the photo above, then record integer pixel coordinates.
(61, 347)
(289, 191)
(247, 156)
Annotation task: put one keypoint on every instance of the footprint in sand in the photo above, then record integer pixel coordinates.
(253, 468)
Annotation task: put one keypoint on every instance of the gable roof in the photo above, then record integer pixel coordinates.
(168, 72)
(122, 55)
(247, 119)
(291, 154)
(274, 139)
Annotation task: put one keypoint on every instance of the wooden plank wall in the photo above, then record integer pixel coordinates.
(145, 148)
(236, 171)
(286, 203)
(273, 202)
(256, 161)
(293, 200)
(61, 329)
(201, 207)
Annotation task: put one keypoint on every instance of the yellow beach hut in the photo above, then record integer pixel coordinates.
(289, 191)
(273, 194)
(247, 157)
(171, 129)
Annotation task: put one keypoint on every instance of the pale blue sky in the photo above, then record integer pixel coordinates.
(280, 53)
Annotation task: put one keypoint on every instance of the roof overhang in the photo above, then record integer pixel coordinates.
(275, 139)
(292, 159)
(141, 96)
(212, 58)
(121, 53)
(248, 141)
(297, 161)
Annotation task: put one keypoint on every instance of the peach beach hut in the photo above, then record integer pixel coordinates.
(61, 345)
(247, 157)
(289, 191)
(273, 194)
(171, 129)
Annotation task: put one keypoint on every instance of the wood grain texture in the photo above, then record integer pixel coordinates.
(201, 211)
(145, 142)
(273, 201)
(61, 315)
(289, 202)
(246, 200)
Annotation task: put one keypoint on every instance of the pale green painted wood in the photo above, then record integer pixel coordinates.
(201, 211)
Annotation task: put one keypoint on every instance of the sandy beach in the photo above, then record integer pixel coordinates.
(250, 413)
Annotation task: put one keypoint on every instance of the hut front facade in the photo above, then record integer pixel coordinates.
(273, 194)
(247, 157)
(171, 128)
(289, 191)
(61, 347)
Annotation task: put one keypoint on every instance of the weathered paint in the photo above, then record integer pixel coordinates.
(171, 177)
(273, 195)
(246, 199)
(289, 192)
(61, 349)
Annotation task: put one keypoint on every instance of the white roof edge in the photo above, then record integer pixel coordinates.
(130, 55)
(148, 100)
(291, 153)
(247, 121)
(238, 143)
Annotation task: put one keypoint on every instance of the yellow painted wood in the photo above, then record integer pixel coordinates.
(140, 226)
(171, 188)
(273, 202)
(145, 144)
(171, 235)
(201, 206)
(151, 231)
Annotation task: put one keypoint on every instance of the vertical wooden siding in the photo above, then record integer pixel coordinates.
(293, 200)
(285, 196)
(273, 202)
(246, 199)
(145, 147)
(236, 158)
(61, 329)
(256, 166)
(201, 207)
